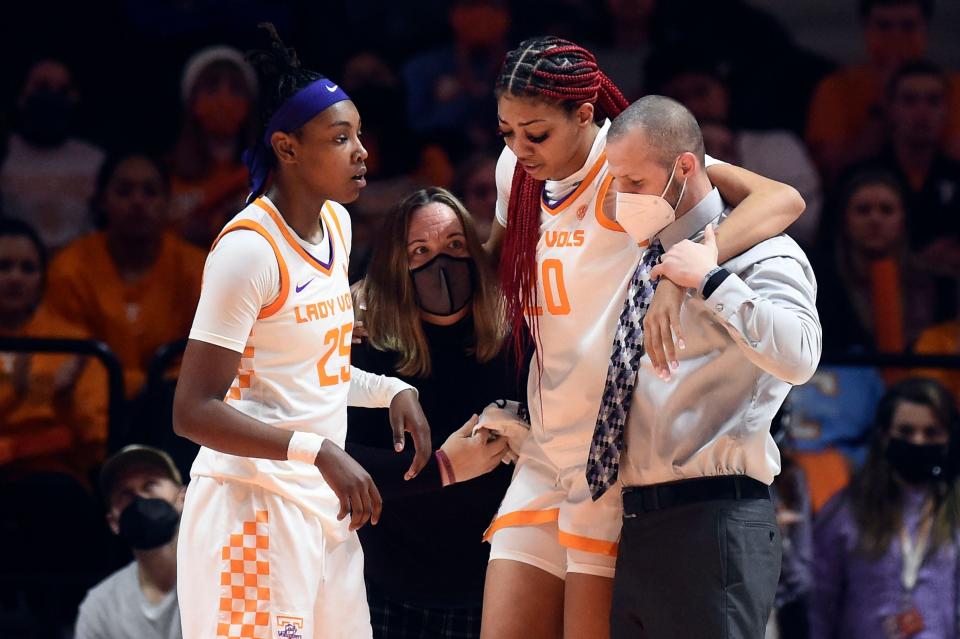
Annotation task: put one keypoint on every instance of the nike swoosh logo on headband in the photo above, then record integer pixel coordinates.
(330, 88)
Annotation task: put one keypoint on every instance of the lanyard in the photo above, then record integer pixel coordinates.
(913, 552)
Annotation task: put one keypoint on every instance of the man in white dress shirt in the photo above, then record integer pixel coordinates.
(699, 554)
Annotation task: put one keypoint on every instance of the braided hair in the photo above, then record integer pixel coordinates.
(280, 78)
(558, 71)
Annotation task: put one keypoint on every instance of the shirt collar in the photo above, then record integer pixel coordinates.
(693, 221)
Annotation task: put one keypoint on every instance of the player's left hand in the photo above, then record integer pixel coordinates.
(661, 328)
(686, 263)
(406, 415)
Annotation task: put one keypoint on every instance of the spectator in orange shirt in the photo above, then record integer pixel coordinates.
(846, 122)
(132, 285)
(942, 339)
(208, 178)
(51, 417)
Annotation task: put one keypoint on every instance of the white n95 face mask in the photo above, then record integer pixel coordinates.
(642, 215)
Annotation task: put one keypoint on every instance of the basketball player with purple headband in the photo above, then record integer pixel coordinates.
(268, 543)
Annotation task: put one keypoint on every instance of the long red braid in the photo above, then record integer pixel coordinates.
(553, 69)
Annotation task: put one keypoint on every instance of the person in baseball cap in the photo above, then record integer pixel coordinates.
(143, 493)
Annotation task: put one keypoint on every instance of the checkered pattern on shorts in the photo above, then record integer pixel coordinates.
(398, 620)
(244, 583)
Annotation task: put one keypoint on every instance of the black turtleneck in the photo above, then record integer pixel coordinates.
(427, 548)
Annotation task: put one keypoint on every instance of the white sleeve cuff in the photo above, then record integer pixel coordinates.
(304, 447)
(217, 340)
(368, 390)
(727, 299)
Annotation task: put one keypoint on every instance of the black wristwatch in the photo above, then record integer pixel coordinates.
(712, 280)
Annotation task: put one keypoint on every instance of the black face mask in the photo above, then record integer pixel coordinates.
(444, 285)
(46, 118)
(148, 523)
(917, 464)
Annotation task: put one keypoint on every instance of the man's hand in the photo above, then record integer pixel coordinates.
(472, 455)
(661, 328)
(687, 263)
(407, 416)
(353, 486)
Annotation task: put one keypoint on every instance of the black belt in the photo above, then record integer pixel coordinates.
(644, 499)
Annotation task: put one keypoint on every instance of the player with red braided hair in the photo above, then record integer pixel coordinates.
(565, 264)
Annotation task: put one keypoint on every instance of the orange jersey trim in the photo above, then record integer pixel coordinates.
(602, 219)
(587, 544)
(522, 518)
(309, 259)
(336, 222)
(250, 225)
(594, 170)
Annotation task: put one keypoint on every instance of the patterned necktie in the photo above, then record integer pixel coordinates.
(603, 464)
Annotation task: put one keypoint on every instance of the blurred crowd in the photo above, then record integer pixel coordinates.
(121, 160)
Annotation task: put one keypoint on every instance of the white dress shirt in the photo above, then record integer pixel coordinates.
(755, 335)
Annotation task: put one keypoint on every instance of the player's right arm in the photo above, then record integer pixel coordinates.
(495, 240)
(239, 279)
(505, 166)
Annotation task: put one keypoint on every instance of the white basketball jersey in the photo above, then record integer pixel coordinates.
(295, 369)
(584, 264)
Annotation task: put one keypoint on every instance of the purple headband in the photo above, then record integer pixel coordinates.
(292, 114)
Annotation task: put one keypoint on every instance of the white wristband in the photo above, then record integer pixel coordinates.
(304, 447)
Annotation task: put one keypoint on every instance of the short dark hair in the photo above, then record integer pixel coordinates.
(105, 174)
(858, 177)
(13, 227)
(668, 127)
(911, 69)
(866, 6)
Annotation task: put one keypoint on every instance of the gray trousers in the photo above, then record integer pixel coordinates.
(702, 570)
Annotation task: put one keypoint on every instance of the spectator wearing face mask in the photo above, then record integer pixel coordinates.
(886, 547)
(48, 176)
(144, 497)
(432, 312)
(208, 179)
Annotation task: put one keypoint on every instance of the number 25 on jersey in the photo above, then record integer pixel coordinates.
(337, 340)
